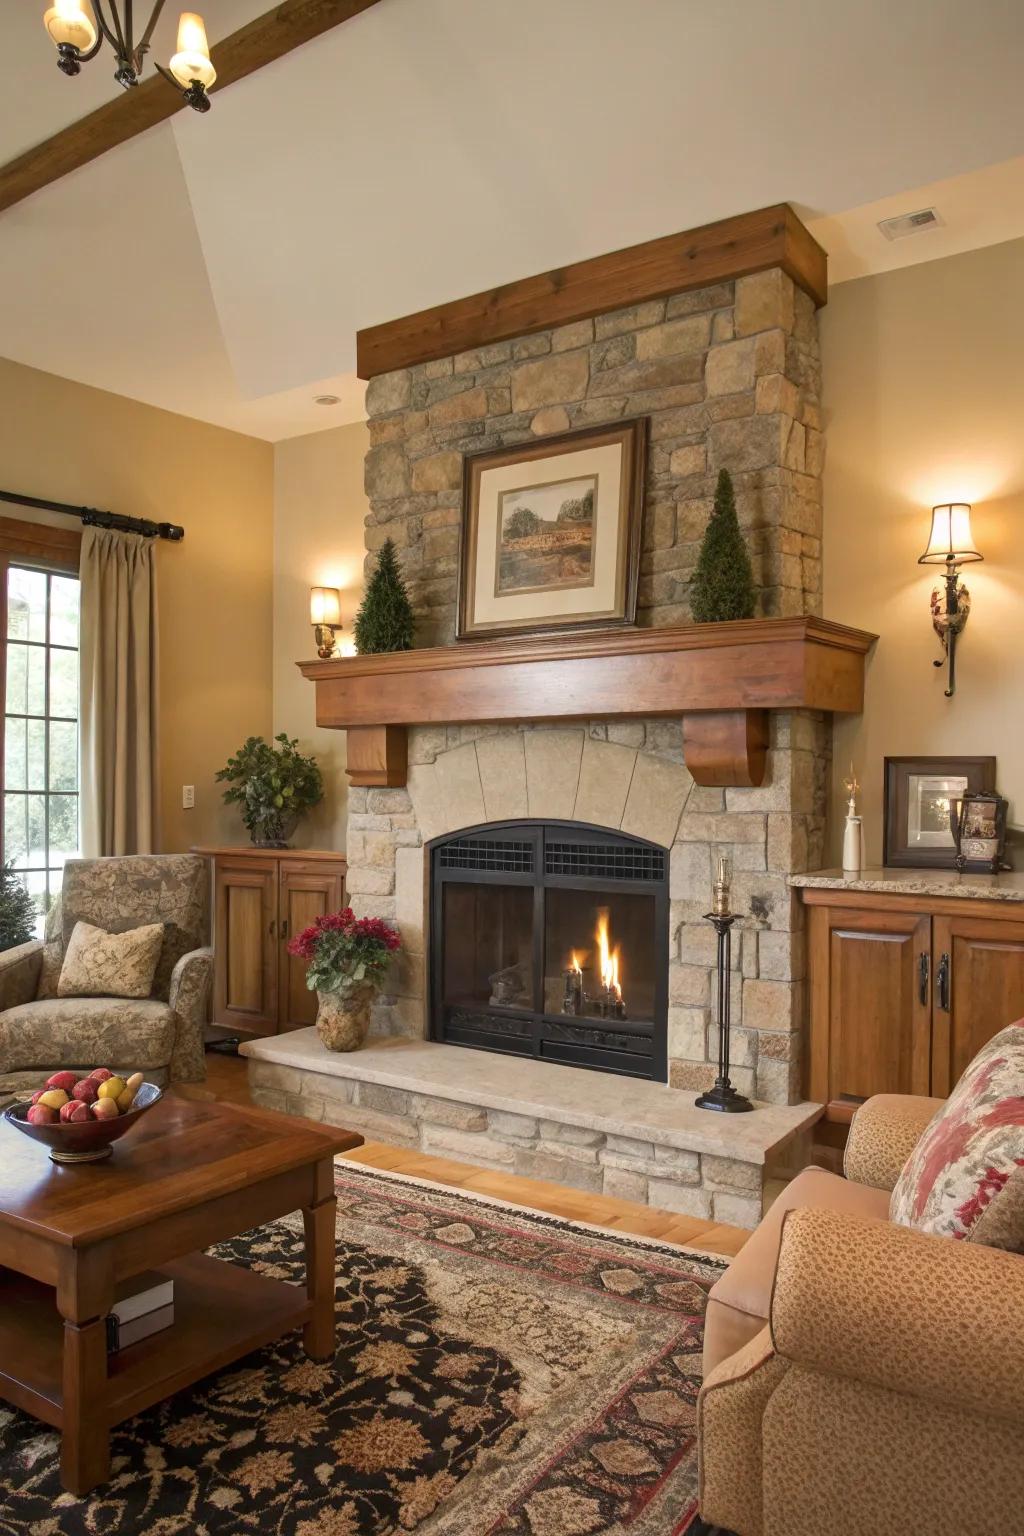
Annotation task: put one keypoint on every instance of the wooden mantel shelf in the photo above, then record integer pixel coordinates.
(722, 678)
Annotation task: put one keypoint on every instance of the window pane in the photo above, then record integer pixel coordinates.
(26, 604)
(25, 756)
(64, 610)
(63, 683)
(63, 755)
(36, 882)
(24, 823)
(26, 679)
(63, 828)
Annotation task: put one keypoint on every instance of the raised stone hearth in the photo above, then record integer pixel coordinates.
(635, 1140)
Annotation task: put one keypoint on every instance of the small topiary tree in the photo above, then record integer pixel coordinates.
(385, 619)
(723, 583)
(17, 910)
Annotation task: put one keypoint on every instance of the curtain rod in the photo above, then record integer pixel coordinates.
(95, 519)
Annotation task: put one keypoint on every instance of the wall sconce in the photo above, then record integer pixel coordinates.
(951, 544)
(325, 617)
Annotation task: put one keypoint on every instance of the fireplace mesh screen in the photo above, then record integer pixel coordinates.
(507, 855)
(604, 861)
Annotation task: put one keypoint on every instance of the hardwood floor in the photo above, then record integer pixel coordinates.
(226, 1079)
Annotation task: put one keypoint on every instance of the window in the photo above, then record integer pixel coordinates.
(40, 722)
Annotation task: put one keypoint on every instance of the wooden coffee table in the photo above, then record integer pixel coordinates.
(190, 1174)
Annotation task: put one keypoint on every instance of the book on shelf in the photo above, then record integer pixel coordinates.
(142, 1306)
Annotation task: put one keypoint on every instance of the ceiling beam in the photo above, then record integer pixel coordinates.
(259, 42)
(714, 253)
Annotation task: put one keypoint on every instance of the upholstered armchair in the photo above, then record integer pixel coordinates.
(862, 1378)
(161, 1035)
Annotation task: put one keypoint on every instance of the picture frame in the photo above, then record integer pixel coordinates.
(978, 824)
(551, 533)
(917, 797)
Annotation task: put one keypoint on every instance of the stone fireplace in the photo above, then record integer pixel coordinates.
(727, 376)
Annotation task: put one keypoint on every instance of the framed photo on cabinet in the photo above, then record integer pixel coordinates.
(919, 795)
(551, 533)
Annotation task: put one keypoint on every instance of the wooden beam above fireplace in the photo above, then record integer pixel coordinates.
(723, 678)
(714, 253)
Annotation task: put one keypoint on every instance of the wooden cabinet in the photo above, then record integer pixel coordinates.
(904, 990)
(262, 897)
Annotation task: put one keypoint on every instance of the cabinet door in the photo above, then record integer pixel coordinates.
(245, 945)
(870, 1005)
(978, 991)
(309, 888)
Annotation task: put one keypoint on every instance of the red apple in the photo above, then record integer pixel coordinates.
(40, 1114)
(73, 1110)
(63, 1080)
(104, 1109)
(86, 1091)
(100, 1074)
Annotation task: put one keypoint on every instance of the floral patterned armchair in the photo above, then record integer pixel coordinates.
(161, 1035)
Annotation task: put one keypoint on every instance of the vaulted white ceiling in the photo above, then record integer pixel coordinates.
(221, 265)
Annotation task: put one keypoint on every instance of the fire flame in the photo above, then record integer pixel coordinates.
(574, 962)
(608, 958)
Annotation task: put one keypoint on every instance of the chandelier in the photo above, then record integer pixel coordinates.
(78, 31)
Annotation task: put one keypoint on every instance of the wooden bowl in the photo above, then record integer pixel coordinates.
(83, 1141)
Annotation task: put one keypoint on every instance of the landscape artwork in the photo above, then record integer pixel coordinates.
(546, 536)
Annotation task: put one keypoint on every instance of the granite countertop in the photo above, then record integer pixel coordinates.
(918, 882)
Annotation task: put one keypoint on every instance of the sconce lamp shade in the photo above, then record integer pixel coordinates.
(951, 541)
(192, 60)
(72, 22)
(325, 606)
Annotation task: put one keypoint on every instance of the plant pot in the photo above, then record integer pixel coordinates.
(275, 829)
(343, 1018)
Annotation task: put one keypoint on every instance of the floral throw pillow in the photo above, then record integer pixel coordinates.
(970, 1153)
(101, 964)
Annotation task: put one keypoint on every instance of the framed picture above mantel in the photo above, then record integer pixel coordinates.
(551, 533)
(919, 792)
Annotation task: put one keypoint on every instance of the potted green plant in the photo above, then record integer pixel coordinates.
(274, 785)
(348, 958)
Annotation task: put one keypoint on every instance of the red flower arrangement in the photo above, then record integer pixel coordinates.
(345, 951)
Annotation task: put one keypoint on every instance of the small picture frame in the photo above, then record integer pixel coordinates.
(551, 533)
(978, 825)
(919, 794)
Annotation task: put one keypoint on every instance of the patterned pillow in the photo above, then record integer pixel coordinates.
(101, 964)
(968, 1156)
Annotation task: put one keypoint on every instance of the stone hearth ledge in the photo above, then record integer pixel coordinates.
(617, 1136)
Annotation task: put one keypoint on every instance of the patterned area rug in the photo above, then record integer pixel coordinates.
(498, 1371)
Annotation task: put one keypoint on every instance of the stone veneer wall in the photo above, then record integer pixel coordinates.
(629, 776)
(729, 378)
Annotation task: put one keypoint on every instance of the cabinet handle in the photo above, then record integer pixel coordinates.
(942, 983)
(284, 929)
(271, 928)
(923, 966)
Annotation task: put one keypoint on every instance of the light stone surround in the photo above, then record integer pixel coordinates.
(628, 776)
(634, 1140)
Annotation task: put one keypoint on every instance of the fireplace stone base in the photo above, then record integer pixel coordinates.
(629, 1138)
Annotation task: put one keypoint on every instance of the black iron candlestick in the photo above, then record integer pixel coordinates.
(723, 1097)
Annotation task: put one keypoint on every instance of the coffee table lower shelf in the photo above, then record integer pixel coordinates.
(221, 1312)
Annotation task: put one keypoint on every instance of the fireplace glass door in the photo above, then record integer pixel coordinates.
(550, 939)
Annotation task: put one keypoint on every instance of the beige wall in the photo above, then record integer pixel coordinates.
(319, 507)
(71, 443)
(924, 402)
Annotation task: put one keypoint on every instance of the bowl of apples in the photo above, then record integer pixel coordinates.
(79, 1118)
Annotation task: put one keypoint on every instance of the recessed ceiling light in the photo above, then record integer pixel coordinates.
(327, 399)
(911, 223)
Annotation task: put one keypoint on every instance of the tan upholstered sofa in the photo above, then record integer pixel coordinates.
(862, 1379)
(161, 1035)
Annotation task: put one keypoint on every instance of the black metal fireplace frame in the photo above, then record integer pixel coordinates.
(631, 1048)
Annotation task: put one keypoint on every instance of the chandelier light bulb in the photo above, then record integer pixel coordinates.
(71, 22)
(192, 60)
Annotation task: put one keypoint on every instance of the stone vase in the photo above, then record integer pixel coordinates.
(343, 1019)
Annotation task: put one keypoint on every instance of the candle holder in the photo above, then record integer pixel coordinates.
(723, 1097)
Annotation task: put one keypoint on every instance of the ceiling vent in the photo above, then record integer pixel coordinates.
(910, 223)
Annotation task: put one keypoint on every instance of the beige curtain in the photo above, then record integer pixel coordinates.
(119, 805)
